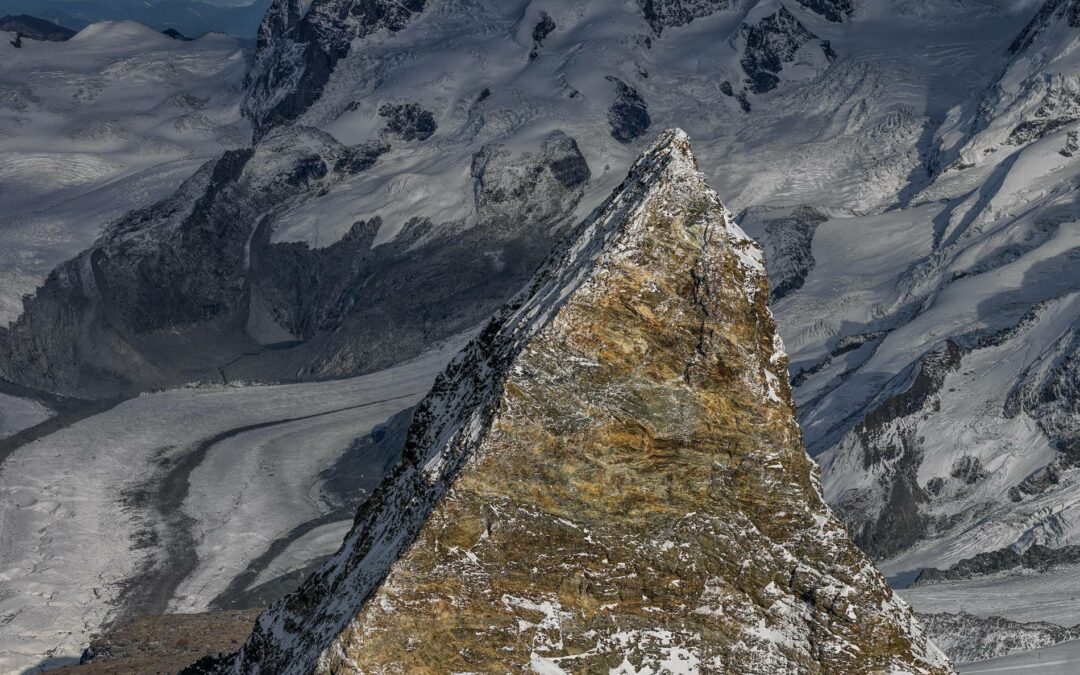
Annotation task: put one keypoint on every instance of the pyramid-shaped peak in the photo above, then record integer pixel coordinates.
(670, 155)
(610, 476)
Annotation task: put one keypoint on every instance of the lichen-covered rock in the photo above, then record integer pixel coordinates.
(609, 477)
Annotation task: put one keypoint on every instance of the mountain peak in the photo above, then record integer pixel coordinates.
(610, 474)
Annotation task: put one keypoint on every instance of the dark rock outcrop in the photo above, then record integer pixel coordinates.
(628, 114)
(663, 14)
(768, 44)
(408, 121)
(541, 30)
(833, 10)
(176, 35)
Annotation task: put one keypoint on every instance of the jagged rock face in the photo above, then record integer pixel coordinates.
(787, 235)
(885, 516)
(298, 50)
(610, 476)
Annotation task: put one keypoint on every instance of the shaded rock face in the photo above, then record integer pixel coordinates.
(1050, 11)
(628, 115)
(106, 322)
(788, 238)
(31, 27)
(298, 50)
(885, 517)
(610, 476)
(193, 288)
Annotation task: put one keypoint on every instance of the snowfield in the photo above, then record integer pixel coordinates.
(78, 517)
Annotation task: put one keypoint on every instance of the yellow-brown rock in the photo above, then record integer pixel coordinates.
(610, 479)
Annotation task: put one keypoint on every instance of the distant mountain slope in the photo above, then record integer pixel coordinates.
(113, 119)
(35, 28)
(951, 428)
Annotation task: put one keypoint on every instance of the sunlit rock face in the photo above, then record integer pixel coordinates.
(609, 478)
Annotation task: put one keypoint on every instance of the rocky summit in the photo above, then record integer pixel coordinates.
(609, 478)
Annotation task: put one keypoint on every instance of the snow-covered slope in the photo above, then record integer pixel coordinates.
(92, 127)
(948, 408)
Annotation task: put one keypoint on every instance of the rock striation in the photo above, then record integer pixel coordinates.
(609, 478)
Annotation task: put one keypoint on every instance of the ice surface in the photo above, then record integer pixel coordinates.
(73, 527)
